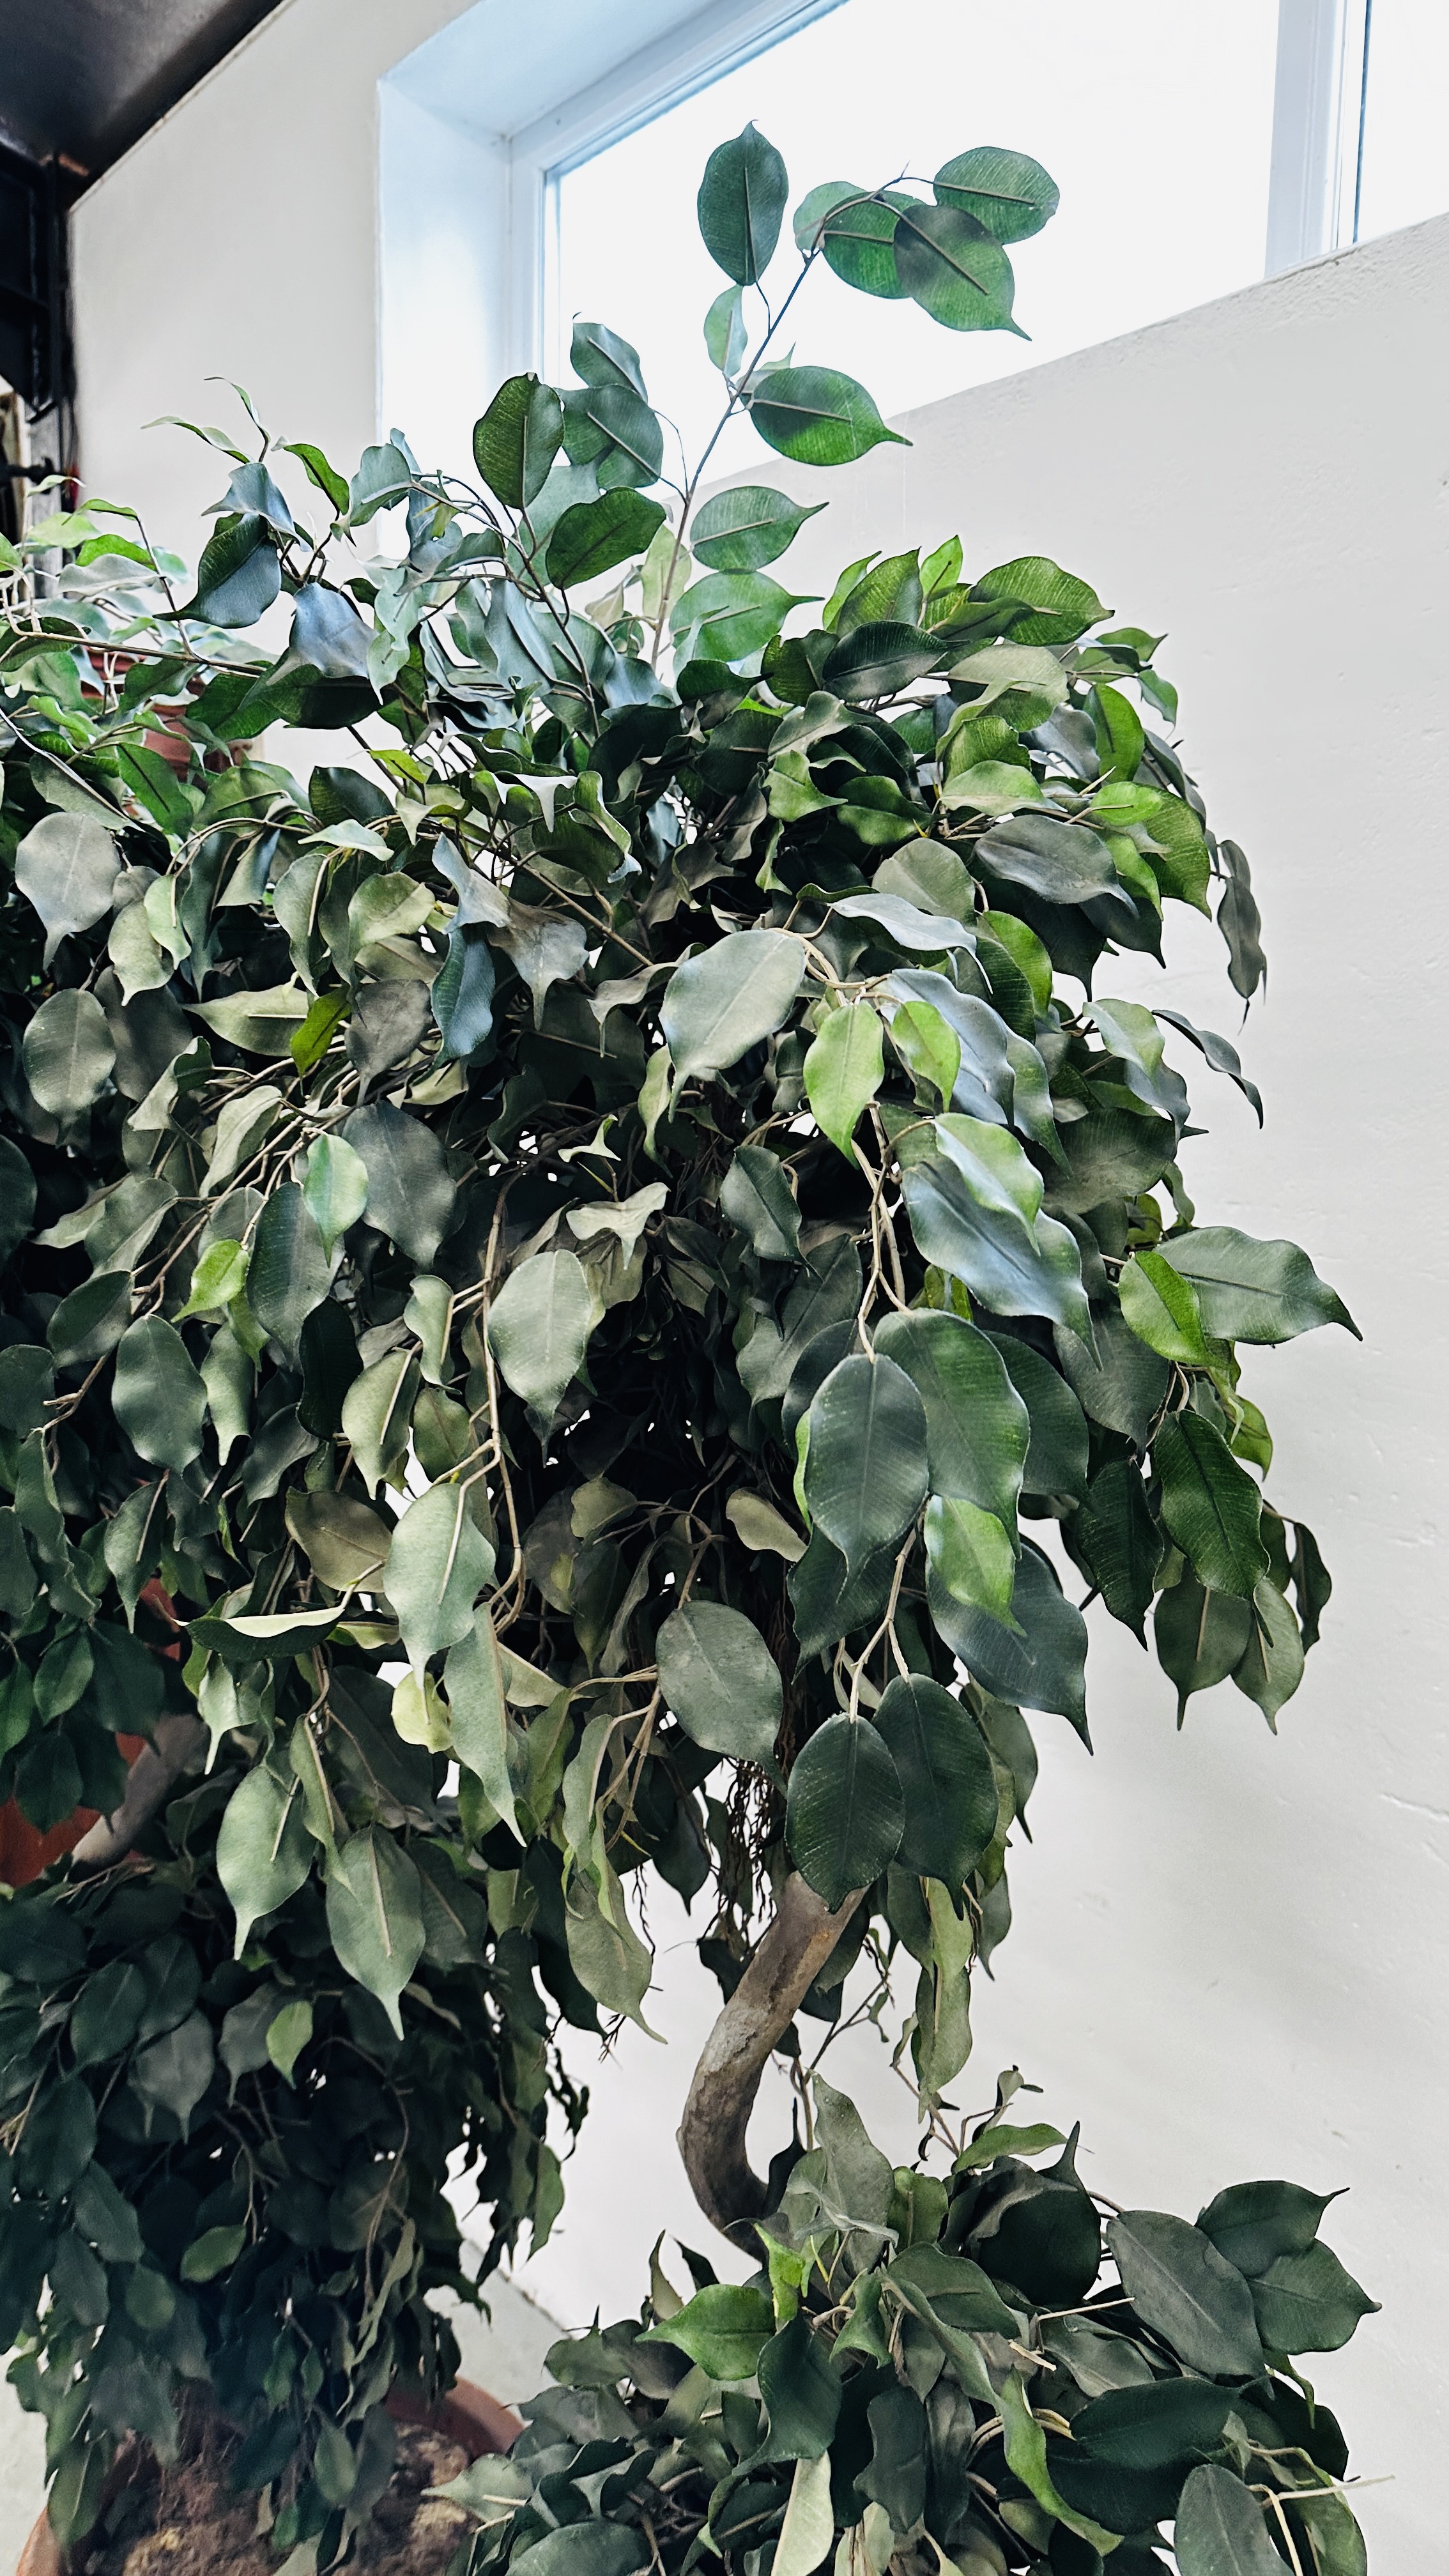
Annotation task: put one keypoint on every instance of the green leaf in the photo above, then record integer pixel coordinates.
(1041, 1665)
(290, 1270)
(1026, 2457)
(288, 2033)
(929, 1049)
(263, 1851)
(801, 2392)
(954, 270)
(68, 1053)
(67, 866)
(1307, 2302)
(1200, 1636)
(728, 616)
(1048, 606)
(1253, 2223)
(946, 1778)
(1254, 1292)
(374, 1914)
(816, 416)
(993, 1167)
(726, 336)
(334, 1189)
(718, 1005)
(757, 1198)
(1121, 741)
(259, 1022)
(723, 2328)
(762, 1529)
(308, 1044)
(844, 1068)
(172, 2072)
(1010, 196)
(1154, 2427)
(593, 536)
(845, 1813)
(410, 1193)
(478, 1719)
(1186, 2291)
(605, 1952)
(63, 1672)
(214, 2251)
(976, 1423)
(539, 1325)
(1220, 2530)
(344, 1542)
(865, 1473)
(1123, 1386)
(58, 2139)
(809, 2525)
(219, 1276)
(17, 1198)
(858, 235)
(159, 1398)
(1062, 862)
(720, 1681)
(517, 439)
(1116, 1539)
(1210, 1505)
(1270, 1667)
(750, 525)
(1161, 1305)
(878, 660)
(1056, 1457)
(1013, 1270)
(741, 204)
(970, 1552)
(438, 1563)
(376, 1412)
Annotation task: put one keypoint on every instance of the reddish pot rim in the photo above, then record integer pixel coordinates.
(468, 2415)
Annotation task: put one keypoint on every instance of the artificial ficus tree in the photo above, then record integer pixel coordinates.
(576, 1286)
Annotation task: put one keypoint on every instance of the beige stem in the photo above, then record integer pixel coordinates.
(727, 2078)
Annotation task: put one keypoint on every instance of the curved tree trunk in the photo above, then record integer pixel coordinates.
(727, 2078)
(178, 1740)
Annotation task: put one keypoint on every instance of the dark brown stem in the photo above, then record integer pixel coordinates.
(727, 2078)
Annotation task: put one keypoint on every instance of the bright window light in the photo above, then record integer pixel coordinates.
(1154, 117)
(1404, 172)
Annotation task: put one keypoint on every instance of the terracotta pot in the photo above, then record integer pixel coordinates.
(469, 2416)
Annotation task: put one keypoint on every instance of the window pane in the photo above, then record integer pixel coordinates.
(1405, 174)
(1154, 117)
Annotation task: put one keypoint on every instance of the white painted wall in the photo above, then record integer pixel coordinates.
(1231, 1953)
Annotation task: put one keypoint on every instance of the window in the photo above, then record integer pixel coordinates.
(540, 162)
(1155, 119)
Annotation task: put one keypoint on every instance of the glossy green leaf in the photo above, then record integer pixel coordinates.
(334, 1189)
(801, 2392)
(158, 1394)
(741, 205)
(1012, 1270)
(1162, 1308)
(747, 526)
(844, 1068)
(1009, 195)
(816, 416)
(290, 1268)
(68, 1053)
(1250, 1291)
(1270, 1667)
(954, 269)
(756, 1197)
(539, 1325)
(376, 1411)
(723, 2328)
(1220, 2529)
(517, 439)
(593, 536)
(478, 1717)
(438, 1563)
(374, 1915)
(976, 1424)
(259, 1023)
(718, 1005)
(1186, 2291)
(1047, 605)
(719, 1679)
(1253, 2223)
(410, 1193)
(1210, 1505)
(263, 1851)
(845, 1814)
(1307, 2302)
(344, 1542)
(970, 1552)
(865, 1472)
(66, 866)
(947, 1782)
(1040, 1666)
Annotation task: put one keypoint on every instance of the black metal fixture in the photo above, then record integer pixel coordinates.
(34, 338)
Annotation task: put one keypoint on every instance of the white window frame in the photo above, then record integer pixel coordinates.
(513, 181)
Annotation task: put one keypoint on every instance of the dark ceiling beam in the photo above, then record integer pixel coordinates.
(82, 80)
